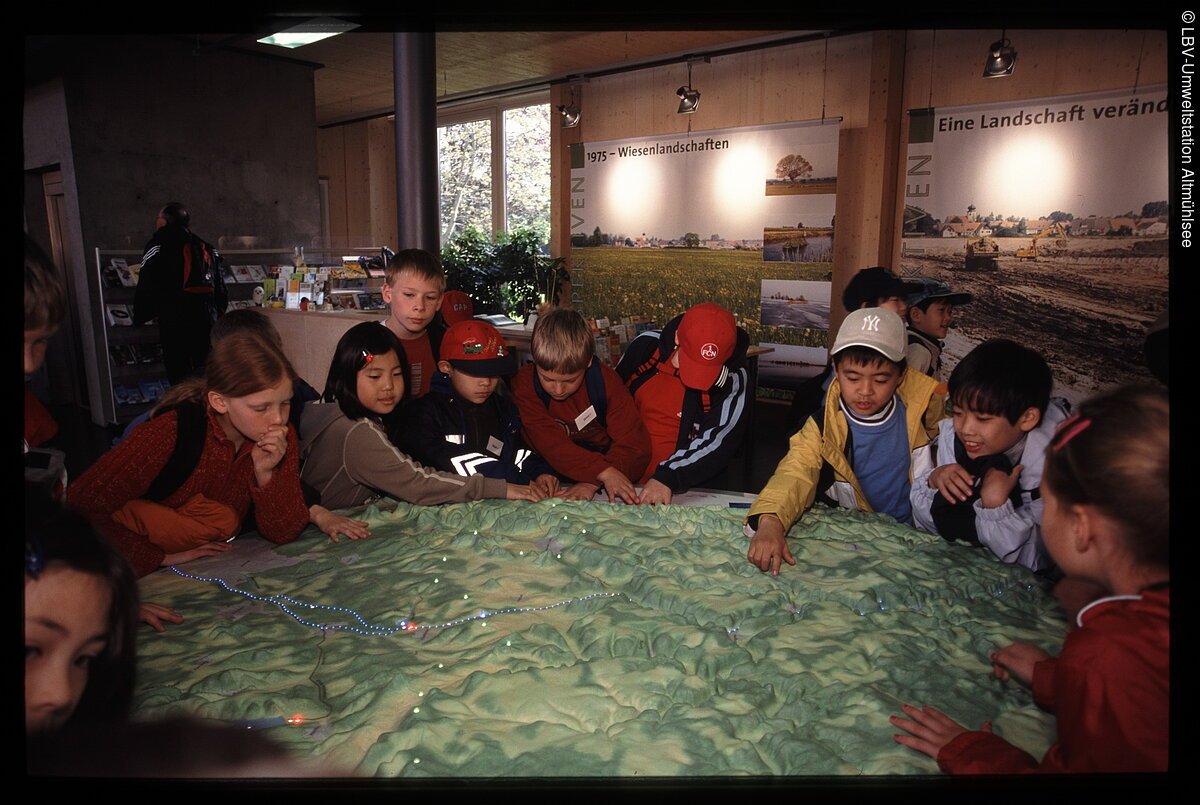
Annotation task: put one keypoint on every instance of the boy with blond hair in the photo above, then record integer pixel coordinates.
(412, 288)
(577, 413)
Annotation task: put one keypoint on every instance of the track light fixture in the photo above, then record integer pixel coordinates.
(1001, 59)
(689, 99)
(570, 111)
(570, 116)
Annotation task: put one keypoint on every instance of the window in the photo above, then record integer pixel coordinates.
(494, 169)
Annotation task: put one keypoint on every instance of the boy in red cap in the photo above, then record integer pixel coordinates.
(689, 382)
(467, 424)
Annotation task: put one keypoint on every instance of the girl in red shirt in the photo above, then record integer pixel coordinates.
(249, 455)
(1106, 521)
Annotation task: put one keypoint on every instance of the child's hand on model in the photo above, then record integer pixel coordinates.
(268, 452)
(655, 492)
(997, 486)
(334, 524)
(207, 549)
(521, 492)
(768, 546)
(929, 730)
(1016, 661)
(618, 486)
(155, 614)
(953, 481)
(580, 491)
(546, 485)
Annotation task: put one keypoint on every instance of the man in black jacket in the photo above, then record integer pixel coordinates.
(180, 284)
(689, 383)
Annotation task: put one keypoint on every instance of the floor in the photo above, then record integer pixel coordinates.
(83, 441)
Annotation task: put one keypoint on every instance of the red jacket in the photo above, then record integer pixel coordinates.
(551, 430)
(1110, 689)
(224, 475)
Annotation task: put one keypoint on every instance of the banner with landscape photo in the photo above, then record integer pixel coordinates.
(662, 223)
(1053, 214)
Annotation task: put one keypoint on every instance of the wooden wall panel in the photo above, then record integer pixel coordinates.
(1048, 63)
(381, 161)
(358, 185)
(331, 163)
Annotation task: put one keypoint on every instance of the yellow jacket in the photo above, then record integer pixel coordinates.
(793, 487)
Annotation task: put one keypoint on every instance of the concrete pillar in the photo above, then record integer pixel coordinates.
(416, 141)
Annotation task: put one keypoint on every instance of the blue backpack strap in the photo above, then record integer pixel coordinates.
(597, 393)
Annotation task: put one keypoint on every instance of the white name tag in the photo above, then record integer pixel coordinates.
(587, 416)
(455, 438)
(494, 446)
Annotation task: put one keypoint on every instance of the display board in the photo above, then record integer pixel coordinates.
(661, 223)
(1053, 214)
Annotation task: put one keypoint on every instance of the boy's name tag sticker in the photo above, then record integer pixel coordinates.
(494, 446)
(456, 438)
(586, 417)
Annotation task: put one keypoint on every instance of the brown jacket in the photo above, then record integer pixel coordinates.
(351, 462)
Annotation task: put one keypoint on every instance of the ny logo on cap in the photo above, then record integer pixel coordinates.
(871, 323)
(709, 351)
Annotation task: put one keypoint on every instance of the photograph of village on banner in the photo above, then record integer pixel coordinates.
(1053, 215)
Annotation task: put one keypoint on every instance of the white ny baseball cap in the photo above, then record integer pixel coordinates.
(876, 328)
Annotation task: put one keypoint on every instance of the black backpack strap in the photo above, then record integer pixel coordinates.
(642, 373)
(191, 429)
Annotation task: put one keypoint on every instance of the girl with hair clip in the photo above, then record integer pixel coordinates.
(349, 455)
(1106, 520)
(81, 604)
(179, 487)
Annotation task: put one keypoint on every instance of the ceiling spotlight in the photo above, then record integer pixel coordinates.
(689, 100)
(1001, 59)
(570, 116)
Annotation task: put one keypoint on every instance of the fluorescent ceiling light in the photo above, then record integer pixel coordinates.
(305, 33)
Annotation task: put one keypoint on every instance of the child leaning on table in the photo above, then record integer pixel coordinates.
(576, 412)
(863, 449)
(468, 424)
(990, 454)
(1106, 490)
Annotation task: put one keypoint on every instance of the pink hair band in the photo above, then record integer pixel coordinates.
(1070, 429)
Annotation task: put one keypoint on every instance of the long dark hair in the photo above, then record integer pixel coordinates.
(350, 356)
(58, 536)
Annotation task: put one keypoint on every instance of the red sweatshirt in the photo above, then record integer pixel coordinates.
(553, 433)
(1110, 690)
(224, 475)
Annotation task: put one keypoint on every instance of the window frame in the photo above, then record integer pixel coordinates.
(492, 109)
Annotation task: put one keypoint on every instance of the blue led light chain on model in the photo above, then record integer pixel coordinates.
(285, 602)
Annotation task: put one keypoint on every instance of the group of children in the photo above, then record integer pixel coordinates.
(421, 411)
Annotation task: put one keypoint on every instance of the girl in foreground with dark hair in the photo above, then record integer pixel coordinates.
(1106, 488)
(348, 455)
(81, 605)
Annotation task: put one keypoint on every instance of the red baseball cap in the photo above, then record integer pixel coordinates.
(476, 348)
(456, 307)
(706, 337)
